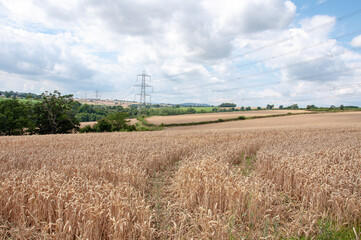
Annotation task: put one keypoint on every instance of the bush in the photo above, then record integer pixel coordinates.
(103, 125)
(191, 110)
(118, 120)
(86, 129)
(112, 123)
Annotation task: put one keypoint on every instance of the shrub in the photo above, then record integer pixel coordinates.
(86, 129)
(103, 125)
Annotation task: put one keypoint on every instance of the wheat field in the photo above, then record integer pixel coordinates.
(199, 117)
(231, 183)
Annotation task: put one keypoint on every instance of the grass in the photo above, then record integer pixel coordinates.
(200, 109)
(143, 125)
(327, 230)
(22, 100)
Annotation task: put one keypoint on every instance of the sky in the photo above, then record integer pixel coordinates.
(250, 52)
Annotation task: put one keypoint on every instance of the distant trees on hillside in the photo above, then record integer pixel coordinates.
(228, 105)
(9, 94)
(293, 106)
(269, 106)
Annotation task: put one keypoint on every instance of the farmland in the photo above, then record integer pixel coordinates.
(188, 118)
(323, 120)
(296, 177)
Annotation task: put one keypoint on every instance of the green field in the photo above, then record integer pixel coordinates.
(199, 109)
(22, 100)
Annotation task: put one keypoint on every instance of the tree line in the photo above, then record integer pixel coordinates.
(53, 113)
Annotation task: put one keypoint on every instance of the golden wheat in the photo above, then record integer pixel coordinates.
(203, 184)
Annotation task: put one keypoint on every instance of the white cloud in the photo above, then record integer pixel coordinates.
(356, 42)
(79, 46)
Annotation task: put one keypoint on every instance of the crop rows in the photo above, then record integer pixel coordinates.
(215, 184)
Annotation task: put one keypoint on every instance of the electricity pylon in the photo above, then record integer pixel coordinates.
(143, 88)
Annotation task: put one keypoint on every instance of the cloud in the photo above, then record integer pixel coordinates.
(194, 50)
(356, 42)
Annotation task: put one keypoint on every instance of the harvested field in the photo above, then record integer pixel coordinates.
(188, 118)
(339, 119)
(260, 183)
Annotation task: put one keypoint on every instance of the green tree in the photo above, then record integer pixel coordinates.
(55, 114)
(14, 118)
(311, 107)
(270, 106)
(191, 110)
(293, 106)
(7, 94)
(103, 125)
(118, 120)
(280, 107)
(228, 105)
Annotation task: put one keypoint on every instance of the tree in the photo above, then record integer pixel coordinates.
(191, 110)
(280, 107)
(55, 114)
(118, 120)
(293, 106)
(14, 118)
(311, 107)
(258, 108)
(7, 94)
(270, 106)
(227, 105)
(103, 125)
